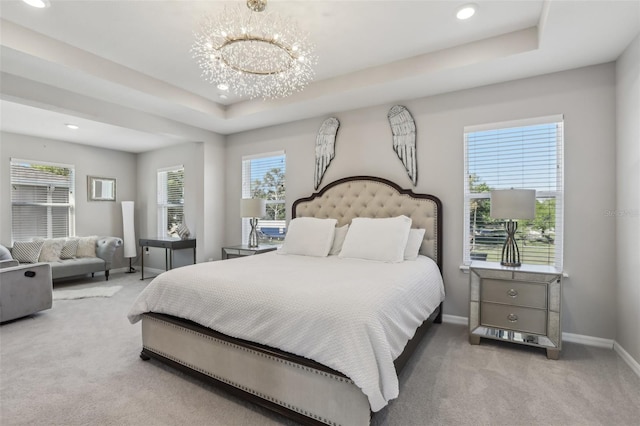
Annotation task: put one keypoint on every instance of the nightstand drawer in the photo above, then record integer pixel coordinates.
(514, 318)
(533, 295)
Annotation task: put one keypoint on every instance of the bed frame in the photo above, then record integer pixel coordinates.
(297, 387)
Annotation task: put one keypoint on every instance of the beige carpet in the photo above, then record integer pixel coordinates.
(78, 364)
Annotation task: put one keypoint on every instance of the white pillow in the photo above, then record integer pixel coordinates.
(86, 246)
(383, 240)
(413, 244)
(309, 236)
(338, 239)
(51, 249)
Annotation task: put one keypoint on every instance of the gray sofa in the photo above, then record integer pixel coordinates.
(105, 250)
(24, 289)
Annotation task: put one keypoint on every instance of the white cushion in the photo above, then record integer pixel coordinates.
(309, 236)
(86, 247)
(51, 249)
(383, 240)
(338, 239)
(413, 244)
(27, 251)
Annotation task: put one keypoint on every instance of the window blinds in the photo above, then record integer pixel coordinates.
(42, 200)
(527, 154)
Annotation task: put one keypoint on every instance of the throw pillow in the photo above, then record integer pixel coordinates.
(27, 251)
(338, 239)
(413, 244)
(51, 249)
(383, 240)
(86, 247)
(69, 249)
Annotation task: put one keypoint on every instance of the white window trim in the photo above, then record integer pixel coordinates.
(246, 186)
(559, 194)
(161, 207)
(72, 194)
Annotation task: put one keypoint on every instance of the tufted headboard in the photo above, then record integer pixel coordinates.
(365, 196)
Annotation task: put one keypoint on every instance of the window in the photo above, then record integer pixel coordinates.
(170, 200)
(42, 200)
(263, 176)
(526, 154)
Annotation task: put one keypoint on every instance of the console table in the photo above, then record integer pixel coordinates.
(169, 245)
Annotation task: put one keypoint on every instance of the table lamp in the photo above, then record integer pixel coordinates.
(512, 204)
(253, 208)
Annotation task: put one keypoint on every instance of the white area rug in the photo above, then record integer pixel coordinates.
(86, 292)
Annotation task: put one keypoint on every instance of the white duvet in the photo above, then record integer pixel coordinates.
(354, 316)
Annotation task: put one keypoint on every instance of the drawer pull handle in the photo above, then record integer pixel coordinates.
(512, 317)
(512, 292)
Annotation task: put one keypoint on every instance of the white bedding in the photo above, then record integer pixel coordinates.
(354, 316)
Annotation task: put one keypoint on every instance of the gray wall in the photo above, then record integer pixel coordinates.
(204, 186)
(627, 216)
(92, 217)
(585, 96)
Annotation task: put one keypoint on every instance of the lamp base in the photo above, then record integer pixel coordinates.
(510, 252)
(131, 268)
(253, 235)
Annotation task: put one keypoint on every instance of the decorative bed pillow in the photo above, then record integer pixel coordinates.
(338, 239)
(383, 240)
(27, 251)
(86, 247)
(51, 249)
(414, 242)
(69, 249)
(309, 236)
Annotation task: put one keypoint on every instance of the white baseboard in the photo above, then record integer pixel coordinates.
(635, 366)
(454, 319)
(598, 342)
(567, 337)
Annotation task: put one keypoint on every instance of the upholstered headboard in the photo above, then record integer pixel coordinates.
(365, 196)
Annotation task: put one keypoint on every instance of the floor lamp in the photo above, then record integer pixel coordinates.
(253, 208)
(512, 204)
(129, 233)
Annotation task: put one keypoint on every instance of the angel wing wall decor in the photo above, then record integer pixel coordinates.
(404, 139)
(325, 147)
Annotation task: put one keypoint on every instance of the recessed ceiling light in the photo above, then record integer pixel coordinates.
(72, 126)
(40, 4)
(223, 86)
(466, 11)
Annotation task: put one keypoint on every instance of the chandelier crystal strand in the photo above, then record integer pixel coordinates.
(257, 54)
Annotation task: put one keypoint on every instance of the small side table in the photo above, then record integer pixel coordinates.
(169, 245)
(519, 305)
(244, 250)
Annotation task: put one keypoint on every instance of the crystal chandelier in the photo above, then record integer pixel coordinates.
(254, 53)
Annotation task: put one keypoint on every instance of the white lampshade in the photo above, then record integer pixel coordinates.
(252, 207)
(513, 204)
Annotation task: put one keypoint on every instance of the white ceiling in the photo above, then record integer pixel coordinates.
(123, 71)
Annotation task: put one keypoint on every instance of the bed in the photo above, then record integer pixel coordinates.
(284, 352)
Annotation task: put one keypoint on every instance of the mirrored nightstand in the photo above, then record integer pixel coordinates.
(244, 250)
(519, 305)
